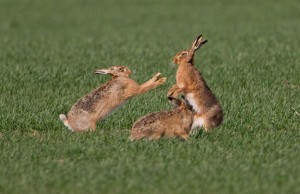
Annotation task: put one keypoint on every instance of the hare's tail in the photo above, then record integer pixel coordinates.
(64, 119)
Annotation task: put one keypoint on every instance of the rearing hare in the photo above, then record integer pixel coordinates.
(169, 123)
(189, 81)
(100, 102)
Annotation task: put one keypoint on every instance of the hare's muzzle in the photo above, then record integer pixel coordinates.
(175, 60)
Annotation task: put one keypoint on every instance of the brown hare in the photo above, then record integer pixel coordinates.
(168, 123)
(191, 84)
(102, 101)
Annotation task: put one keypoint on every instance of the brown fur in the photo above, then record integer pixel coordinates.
(102, 101)
(172, 123)
(190, 82)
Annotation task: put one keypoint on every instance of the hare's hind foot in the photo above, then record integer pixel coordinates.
(86, 127)
(155, 137)
(134, 138)
(213, 120)
(185, 136)
(139, 137)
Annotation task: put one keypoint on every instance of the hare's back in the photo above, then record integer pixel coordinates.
(153, 119)
(102, 94)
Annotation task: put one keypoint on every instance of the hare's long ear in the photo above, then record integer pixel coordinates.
(195, 46)
(174, 101)
(103, 71)
(198, 43)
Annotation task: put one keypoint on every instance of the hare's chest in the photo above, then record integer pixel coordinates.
(184, 77)
(180, 79)
(181, 82)
(190, 97)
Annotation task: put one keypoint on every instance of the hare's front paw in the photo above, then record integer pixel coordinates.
(156, 77)
(161, 80)
(172, 90)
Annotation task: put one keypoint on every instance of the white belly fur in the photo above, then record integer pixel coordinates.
(190, 97)
(198, 122)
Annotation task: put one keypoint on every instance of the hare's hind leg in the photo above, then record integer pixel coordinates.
(81, 123)
(213, 119)
(208, 126)
(136, 134)
(185, 136)
(183, 133)
(134, 137)
(87, 126)
(155, 136)
(93, 126)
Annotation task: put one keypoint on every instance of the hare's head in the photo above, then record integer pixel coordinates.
(187, 56)
(116, 71)
(183, 104)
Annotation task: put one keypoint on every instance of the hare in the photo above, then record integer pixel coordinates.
(102, 101)
(191, 84)
(172, 123)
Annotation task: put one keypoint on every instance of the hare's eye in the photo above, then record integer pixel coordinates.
(183, 54)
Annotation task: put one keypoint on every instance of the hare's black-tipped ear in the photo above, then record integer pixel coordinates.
(102, 71)
(187, 103)
(174, 101)
(198, 43)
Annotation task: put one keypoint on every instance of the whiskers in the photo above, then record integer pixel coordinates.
(172, 65)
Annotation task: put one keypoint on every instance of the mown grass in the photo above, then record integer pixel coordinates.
(49, 49)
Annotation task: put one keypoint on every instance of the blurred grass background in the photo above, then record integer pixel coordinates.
(49, 49)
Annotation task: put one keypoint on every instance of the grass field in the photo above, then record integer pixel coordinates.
(49, 49)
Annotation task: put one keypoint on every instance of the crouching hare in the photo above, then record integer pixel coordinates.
(168, 123)
(191, 84)
(102, 101)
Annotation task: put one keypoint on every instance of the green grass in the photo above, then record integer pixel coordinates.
(49, 49)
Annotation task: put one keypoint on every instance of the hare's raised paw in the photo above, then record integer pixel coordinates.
(172, 90)
(161, 80)
(156, 77)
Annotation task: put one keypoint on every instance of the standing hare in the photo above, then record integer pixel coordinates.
(189, 81)
(172, 123)
(102, 101)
